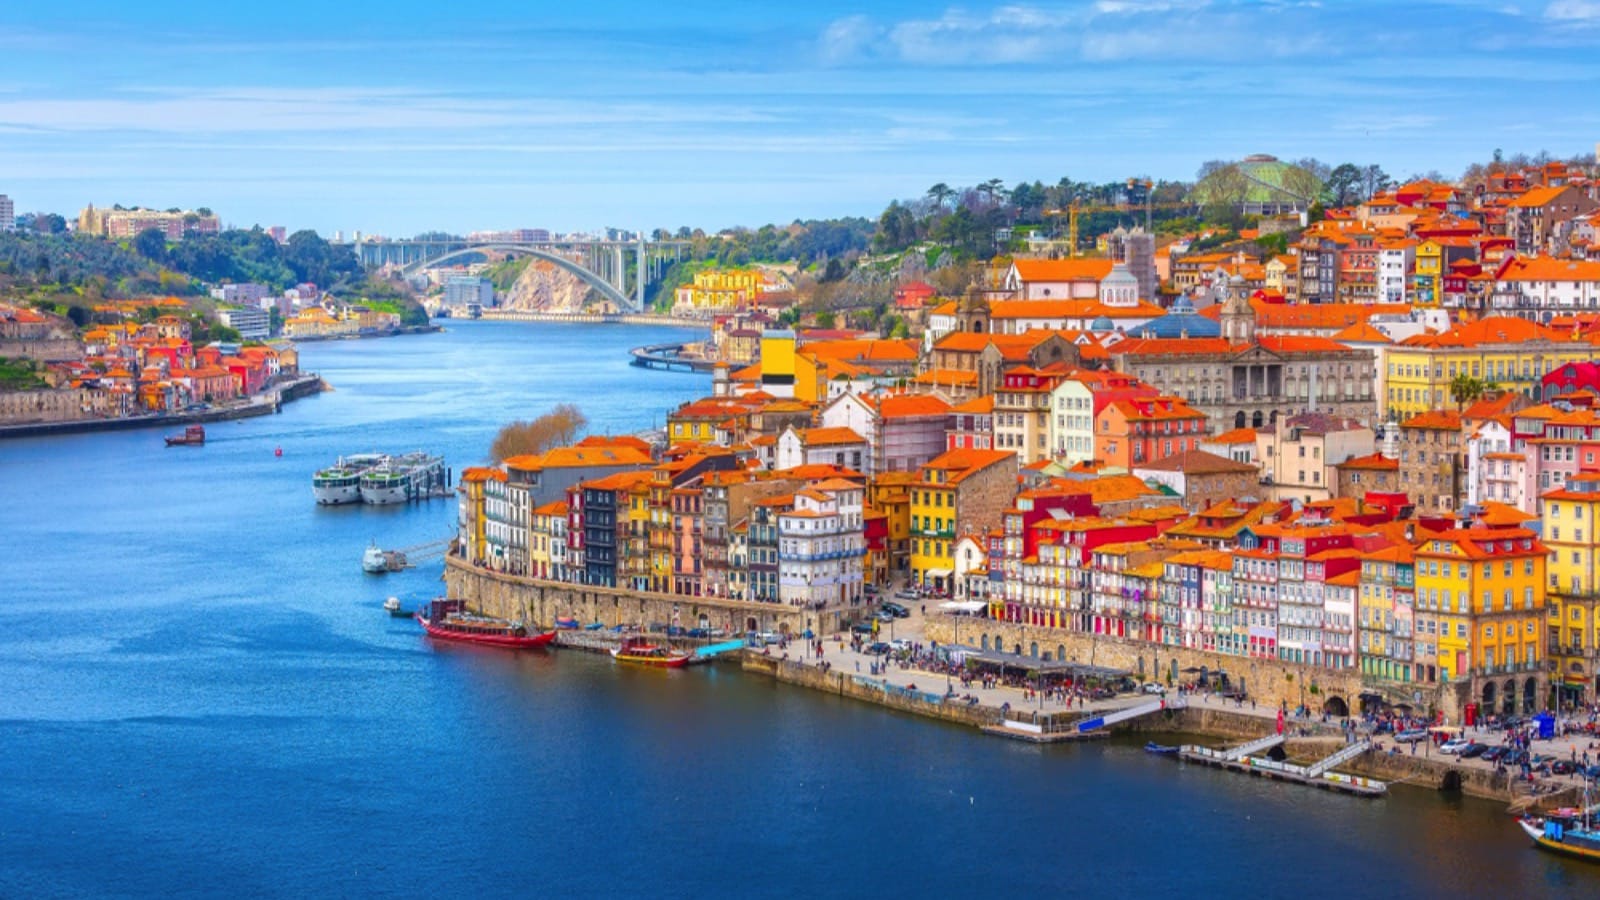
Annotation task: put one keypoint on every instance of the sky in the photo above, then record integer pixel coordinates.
(400, 117)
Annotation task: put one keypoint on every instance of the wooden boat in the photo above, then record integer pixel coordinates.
(1162, 749)
(1569, 832)
(193, 436)
(641, 652)
(448, 620)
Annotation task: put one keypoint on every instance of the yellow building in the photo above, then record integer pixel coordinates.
(1512, 354)
(722, 289)
(1428, 269)
(1573, 629)
(1486, 589)
(956, 492)
(470, 532)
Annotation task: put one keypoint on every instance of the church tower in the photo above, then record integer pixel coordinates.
(973, 311)
(1238, 316)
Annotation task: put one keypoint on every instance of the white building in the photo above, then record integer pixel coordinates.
(822, 446)
(1395, 265)
(8, 214)
(252, 322)
(1071, 426)
(821, 547)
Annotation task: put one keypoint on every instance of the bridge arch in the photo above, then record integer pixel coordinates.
(605, 288)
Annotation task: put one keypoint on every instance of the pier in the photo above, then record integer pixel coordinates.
(1316, 775)
(667, 358)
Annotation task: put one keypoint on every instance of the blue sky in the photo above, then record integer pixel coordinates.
(398, 117)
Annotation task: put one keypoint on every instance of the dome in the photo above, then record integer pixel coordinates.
(1102, 324)
(1182, 321)
(1119, 275)
(1258, 179)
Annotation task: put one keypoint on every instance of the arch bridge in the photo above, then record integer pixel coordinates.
(601, 264)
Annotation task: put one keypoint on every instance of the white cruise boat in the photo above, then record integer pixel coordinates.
(341, 482)
(399, 479)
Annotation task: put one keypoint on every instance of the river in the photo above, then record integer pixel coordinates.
(202, 696)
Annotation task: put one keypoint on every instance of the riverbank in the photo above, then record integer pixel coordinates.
(265, 403)
(507, 315)
(361, 336)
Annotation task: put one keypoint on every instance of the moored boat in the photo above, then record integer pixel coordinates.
(1161, 749)
(341, 482)
(193, 436)
(448, 620)
(398, 479)
(640, 651)
(392, 607)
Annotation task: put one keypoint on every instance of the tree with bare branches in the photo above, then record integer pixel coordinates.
(556, 428)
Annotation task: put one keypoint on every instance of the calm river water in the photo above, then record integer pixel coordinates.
(200, 695)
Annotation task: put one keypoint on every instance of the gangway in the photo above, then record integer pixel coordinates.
(712, 651)
(1344, 755)
(1094, 723)
(1255, 746)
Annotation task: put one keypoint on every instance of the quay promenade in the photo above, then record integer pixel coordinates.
(1226, 721)
(265, 403)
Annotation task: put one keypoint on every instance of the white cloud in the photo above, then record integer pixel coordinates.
(1573, 11)
(1104, 31)
(848, 38)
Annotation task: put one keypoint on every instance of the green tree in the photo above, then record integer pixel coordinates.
(150, 244)
(825, 319)
(941, 195)
(1465, 389)
(1343, 185)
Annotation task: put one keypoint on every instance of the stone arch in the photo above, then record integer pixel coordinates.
(1451, 781)
(1335, 706)
(1488, 697)
(750, 624)
(1257, 419)
(1530, 692)
(1061, 652)
(983, 642)
(1239, 419)
(1508, 697)
(1033, 649)
(606, 289)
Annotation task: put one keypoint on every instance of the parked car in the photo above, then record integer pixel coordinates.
(1473, 749)
(1494, 753)
(1151, 687)
(1454, 746)
(895, 609)
(1563, 767)
(906, 594)
(1411, 735)
(878, 648)
(884, 615)
(901, 644)
(871, 590)
(861, 628)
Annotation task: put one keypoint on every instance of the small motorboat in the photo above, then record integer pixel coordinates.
(374, 561)
(392, 607)
(1161, 749)
(193, 436)
(567, 623)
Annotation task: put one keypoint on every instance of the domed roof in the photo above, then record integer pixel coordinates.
(1102, 323)
(1119, 274)
(1182, 321)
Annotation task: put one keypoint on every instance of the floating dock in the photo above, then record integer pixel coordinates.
(1317, 775)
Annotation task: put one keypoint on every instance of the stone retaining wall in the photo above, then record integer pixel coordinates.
(857, 687)
(1269, 681)
(522, 599)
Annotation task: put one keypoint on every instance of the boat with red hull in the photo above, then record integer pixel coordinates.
(640, 651)
(449, 620)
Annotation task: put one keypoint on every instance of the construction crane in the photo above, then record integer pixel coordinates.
(1077, 208)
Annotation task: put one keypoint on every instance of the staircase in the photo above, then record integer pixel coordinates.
(1253, 747)
(1316, 769)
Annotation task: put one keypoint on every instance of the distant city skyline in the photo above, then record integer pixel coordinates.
(643, 116)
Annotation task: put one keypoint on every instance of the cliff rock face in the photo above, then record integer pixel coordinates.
(545, 287)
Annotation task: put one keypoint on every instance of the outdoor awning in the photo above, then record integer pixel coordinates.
(938, 573)
(965, 605)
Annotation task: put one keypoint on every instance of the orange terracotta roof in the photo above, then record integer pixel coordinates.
(1030, 270)
(910, 405)
(824, 437)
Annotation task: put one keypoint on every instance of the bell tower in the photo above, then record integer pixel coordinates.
(1238, 316)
